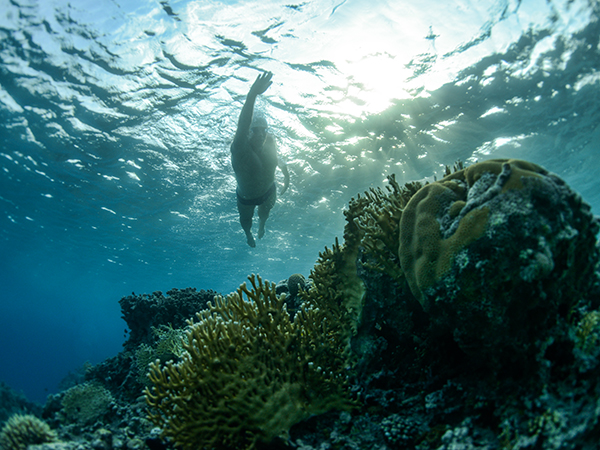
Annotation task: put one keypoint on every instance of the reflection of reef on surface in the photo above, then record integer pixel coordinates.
(458, 314)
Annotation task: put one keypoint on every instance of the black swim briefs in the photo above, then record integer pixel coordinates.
(258, 200)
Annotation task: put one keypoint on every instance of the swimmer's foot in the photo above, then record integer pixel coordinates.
(261, 231)
(250, 240)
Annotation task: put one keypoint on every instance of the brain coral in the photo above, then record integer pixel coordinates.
(497, 248)
(20, 431)
(86, 403)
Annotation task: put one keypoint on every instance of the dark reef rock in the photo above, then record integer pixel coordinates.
(291, 287)
(144, 312)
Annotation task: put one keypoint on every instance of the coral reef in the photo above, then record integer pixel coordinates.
(458, 314)
(295, 283)
(431, 372)
(292, 287)
(156, 323)
(249, 373)
(377, 217)
(21, 431)
(446, 216)
(169, 346)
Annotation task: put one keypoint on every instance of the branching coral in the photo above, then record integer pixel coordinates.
(371, 227)
(249, 373)
(20, 431)
(336, 286)
(377, 216)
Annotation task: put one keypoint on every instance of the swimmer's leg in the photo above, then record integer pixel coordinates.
(246, 214)
(263, 213)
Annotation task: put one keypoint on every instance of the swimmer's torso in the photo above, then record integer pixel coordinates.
(255, 171)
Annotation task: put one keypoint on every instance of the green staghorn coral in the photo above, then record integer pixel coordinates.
(249, 372)
(168, 346)
(372, 228)
(377, 216)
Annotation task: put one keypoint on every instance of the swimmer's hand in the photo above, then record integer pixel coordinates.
(262, 83)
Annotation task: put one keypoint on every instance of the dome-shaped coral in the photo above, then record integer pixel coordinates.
(496, 250)
(296, 282)
(22, 430)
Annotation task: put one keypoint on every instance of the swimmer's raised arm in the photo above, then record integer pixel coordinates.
(261, 84)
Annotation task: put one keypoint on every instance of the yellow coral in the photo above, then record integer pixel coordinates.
(249, 373)
(519, 169)
(20, 431)
(588, 333)
(377, 216)
(425, 255)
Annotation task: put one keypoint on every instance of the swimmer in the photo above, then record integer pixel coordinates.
(254, 160)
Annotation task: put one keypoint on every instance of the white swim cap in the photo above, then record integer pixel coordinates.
(259, 121)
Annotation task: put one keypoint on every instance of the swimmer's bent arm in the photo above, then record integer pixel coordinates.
(286, 175)
(261, 84)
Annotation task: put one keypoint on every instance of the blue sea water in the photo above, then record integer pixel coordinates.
(116, 118)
